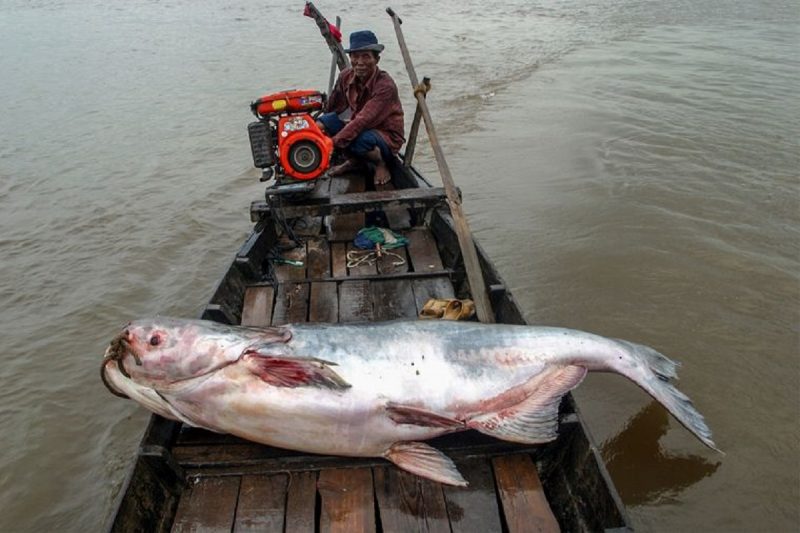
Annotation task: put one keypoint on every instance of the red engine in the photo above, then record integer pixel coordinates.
(286, 140)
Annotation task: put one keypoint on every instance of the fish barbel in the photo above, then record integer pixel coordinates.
(375, 389)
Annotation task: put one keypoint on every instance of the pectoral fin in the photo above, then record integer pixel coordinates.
(424, 461)
(535, 419)
(294, 371)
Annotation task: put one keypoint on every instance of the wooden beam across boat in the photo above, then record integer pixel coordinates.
(340, 204)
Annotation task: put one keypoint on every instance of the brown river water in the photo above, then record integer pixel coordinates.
(631, 167)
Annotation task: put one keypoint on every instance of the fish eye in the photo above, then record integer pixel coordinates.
(155, 340)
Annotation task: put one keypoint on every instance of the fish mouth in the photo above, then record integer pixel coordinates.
(116, 351)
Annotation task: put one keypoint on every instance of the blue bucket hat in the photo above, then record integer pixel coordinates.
(364, 40)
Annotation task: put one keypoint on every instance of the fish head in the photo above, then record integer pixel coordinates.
(162, 352)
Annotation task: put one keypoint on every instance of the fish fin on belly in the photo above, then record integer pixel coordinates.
(294, 371)
(534, 419)
(416, 416)
(425, 461)
(180, 417)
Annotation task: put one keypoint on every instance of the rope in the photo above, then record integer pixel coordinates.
(422, 88)
(370, 257)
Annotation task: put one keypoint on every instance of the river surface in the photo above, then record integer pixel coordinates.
(631, 166)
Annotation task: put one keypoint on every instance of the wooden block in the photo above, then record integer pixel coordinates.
(322, 191)
(208, 504)
(427, 288)
(257, 309)
(345, 227)
(367, 268)
(324, 302)
(301, 502)
(524, 503)
(318, 258)
(262, 503)
(355, 301)
(291, 304)
(339, 259)
(386, 263)
(288, 272)
(409, 503)
(422, 250)
(473, 508)
(347, 500)
(307, 226)
(392, 299)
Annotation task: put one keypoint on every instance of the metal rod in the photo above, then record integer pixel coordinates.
(334, 61)
(412, 134)
(472, 266)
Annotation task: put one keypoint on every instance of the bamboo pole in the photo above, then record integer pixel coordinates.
(471, 264)
(412, 135)
(332, 77)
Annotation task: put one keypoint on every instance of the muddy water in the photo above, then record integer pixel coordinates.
(631, 168)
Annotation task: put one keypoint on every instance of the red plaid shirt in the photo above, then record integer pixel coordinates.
(375, 105)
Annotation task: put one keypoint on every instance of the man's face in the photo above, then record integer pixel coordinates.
(364, 64)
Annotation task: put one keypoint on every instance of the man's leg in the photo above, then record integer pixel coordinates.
(382, 175)
(370, 147)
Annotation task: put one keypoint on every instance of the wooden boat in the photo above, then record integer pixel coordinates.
(190, 479)
(299, 264)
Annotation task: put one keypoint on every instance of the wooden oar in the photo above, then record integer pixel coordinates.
(474, 275)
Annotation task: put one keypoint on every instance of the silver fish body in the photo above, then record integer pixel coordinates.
(375, 389)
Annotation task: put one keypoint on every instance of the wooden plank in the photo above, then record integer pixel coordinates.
(338, 252)
(347, 501)
(257, 309)
(354, 202)
(262, 504)
(473, 508)
(422, 250)
(208, 504)
(301, 503)
(318, 258)
(409, 503)
(355, 301)
(306, 226)
(285, 272)
(392, 299)
(291, 303)
(386, 263)
(343, 227)
(367, 268)
(524, 503)
(321, 192)
(427, 288)
(324, 302)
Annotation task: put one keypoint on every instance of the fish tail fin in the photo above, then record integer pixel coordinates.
(653, 374)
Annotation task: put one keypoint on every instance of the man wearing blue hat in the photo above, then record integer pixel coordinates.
(364, 115)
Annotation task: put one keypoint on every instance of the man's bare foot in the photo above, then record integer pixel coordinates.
(382, 174)
(349, 165)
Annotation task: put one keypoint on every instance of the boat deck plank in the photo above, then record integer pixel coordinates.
(347, 500)
(409, 503)
(257, 309)
(208, 504)
(473, 508)
(301, 503)
(524, 502)
(324, 302)
(262, 503)
(243, 486)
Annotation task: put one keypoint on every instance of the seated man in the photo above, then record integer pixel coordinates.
(364, 115)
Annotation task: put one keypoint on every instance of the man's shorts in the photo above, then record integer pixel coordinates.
(365, 142)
